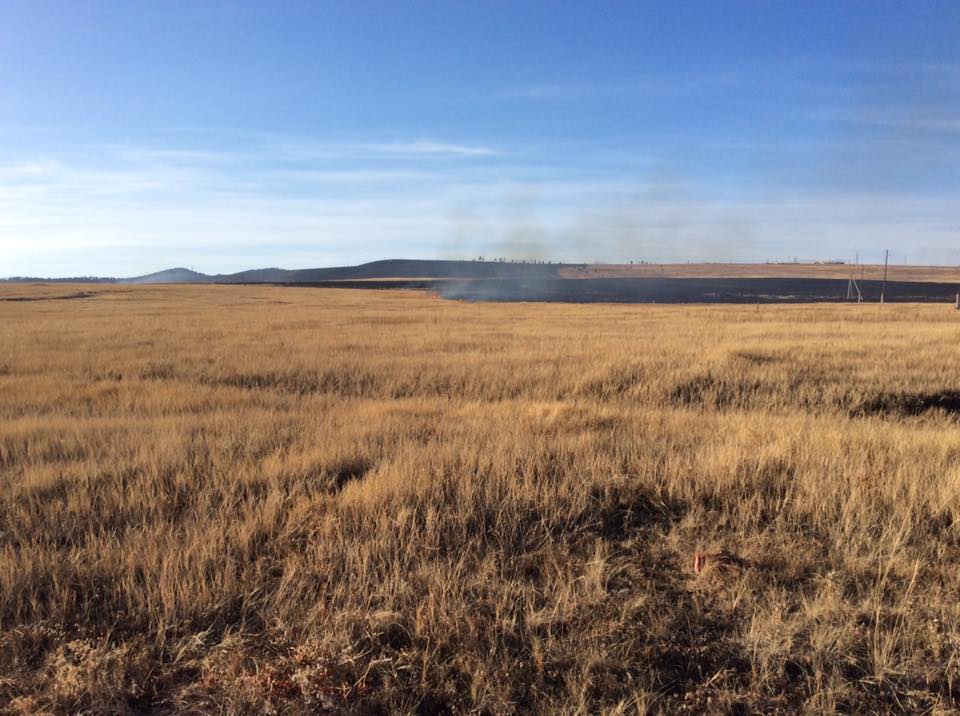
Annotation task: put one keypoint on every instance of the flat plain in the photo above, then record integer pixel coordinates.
(239, 499)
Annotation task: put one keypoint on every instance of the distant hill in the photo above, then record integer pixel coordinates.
(385, 269)
(398, 268)
(174, 275)
(264, 275)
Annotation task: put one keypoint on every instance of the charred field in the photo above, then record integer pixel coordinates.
(691, 290)
(265, 499)
(653, 289)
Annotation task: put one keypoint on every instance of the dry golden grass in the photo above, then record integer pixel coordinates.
(253, 500)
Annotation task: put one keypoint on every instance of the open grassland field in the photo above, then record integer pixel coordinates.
(282, 500)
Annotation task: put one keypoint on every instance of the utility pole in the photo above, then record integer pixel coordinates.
(883, 290)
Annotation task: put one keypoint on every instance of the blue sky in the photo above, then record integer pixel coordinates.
(135, 136)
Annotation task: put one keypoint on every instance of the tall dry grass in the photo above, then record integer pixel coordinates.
(252, 500)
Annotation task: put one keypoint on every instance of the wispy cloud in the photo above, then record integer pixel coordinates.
(429, 147)
(140, 153)
(930, 120)
(643, 87)
(300, 149)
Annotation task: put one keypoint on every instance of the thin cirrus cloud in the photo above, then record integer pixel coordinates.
(426, 147)
(921, 121)
(298, 149)
(126, 169)
(660, 87)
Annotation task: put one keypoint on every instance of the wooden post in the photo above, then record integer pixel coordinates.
(883, 290)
